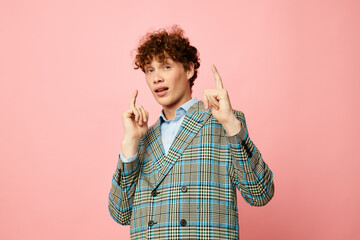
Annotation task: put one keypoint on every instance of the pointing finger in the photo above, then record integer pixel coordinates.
(133, 99)
(219, 84)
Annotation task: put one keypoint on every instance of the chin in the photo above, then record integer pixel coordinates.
(161, 101)
(164, 103)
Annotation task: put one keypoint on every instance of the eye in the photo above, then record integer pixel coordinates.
(149, 70)
(167, 67)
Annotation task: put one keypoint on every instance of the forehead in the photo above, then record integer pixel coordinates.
(156, 61)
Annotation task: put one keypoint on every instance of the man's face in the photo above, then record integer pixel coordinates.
(169, 82)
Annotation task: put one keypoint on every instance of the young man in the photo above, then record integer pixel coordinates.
(177, 179)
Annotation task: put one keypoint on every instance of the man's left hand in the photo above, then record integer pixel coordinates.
(219, 103)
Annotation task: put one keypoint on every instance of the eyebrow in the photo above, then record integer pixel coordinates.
(147, 65)
(161, 63)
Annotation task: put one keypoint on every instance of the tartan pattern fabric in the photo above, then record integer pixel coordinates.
(190, 193)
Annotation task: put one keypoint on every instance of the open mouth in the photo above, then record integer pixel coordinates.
(161, 89)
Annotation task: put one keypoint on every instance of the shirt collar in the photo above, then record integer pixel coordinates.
(181, 111)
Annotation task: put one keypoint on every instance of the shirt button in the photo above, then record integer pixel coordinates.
(151, 223)
(183, 222)
(154, 193)
(184, 189)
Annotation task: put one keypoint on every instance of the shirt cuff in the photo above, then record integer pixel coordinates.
(127, 160)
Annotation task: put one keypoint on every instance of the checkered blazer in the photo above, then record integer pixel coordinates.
(190, 193)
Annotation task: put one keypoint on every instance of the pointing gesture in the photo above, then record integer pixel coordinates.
(135, 121)
(217, 99)
(138, 113)
(219, 103)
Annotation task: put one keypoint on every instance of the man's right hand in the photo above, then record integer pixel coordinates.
(135, 121)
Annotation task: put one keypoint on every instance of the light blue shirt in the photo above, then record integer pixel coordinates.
(168, 128)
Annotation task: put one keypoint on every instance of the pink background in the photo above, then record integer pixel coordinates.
(66, 76)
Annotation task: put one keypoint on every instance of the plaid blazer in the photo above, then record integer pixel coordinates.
(190, 193)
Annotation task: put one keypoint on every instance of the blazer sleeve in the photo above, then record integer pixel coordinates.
(252, 175)
(122, 191)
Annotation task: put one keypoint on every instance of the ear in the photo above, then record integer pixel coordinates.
(190, 71)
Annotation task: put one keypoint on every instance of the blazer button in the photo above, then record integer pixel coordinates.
(154, 193)
(184, 189)
(151, 223)
(183, 222)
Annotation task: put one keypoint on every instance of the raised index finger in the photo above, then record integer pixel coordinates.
(133, 99)
(219, 84)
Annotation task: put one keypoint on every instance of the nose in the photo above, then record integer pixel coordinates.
(158, 78)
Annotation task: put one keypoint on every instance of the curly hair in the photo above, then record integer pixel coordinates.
(161, 44)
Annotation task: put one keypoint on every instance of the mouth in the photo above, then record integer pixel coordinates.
(159, 90)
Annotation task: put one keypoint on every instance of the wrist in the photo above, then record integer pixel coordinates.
(232, 125)
(130, 140)
(129, 147)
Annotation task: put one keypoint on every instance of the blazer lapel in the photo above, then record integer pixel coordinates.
(156, 146)
(194, 119)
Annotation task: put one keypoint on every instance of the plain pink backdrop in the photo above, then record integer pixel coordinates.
(66, 76)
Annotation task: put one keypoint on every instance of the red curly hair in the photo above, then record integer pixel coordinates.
(161, 44)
